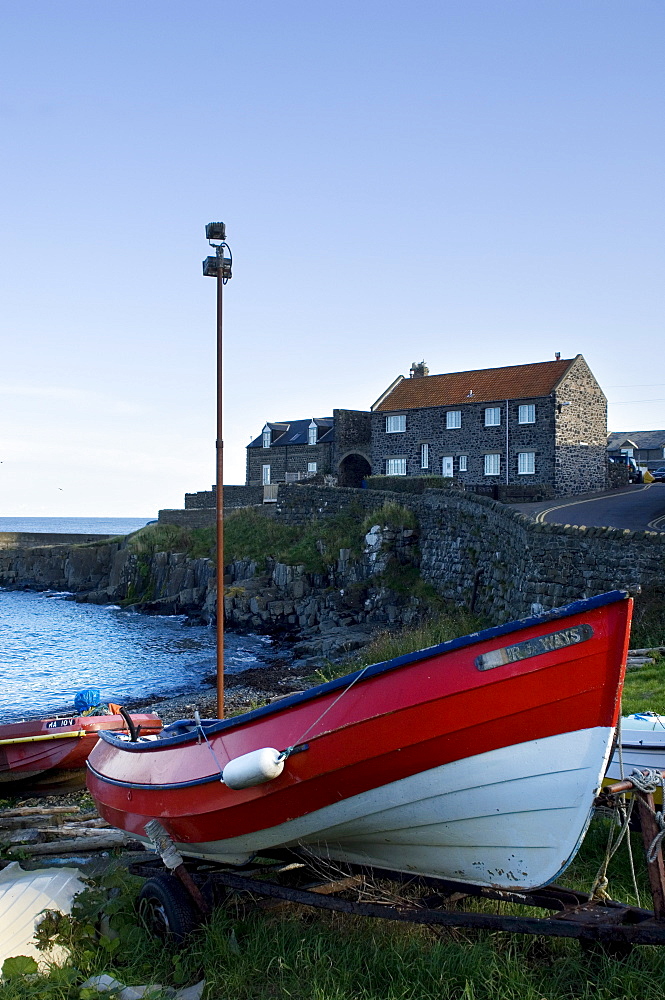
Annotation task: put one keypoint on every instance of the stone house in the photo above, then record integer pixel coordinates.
(540, 423)
(646, 447)
(294, 450)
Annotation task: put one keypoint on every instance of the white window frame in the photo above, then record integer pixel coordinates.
(492, 416)
(424, 456)
(395, 466)
(311, 468)
(526, 463)
(463, 463)
(266, 436)
(493, 464)
(453, 420)
(265, 475)
(312, 434)
(526, 413)
(396, 423)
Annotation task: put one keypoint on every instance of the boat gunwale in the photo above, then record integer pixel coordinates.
(213, 726)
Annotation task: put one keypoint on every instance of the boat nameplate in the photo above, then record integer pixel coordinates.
(60, 723)
(537, 646)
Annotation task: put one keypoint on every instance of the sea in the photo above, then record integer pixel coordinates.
(76, 525)
(51, 646)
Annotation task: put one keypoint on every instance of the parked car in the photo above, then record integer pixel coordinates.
(634, 471)
(659, 474)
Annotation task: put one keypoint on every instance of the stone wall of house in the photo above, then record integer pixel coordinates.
(353, 433)
(581, 432)
(287, 458)
(427, 425)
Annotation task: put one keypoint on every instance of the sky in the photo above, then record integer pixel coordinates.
(473, 183)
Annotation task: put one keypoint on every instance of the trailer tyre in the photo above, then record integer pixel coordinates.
(167, 909)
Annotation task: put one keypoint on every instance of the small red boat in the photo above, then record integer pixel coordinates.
(52, 752)
(476, 760)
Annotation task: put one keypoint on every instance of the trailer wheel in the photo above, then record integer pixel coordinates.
(167, 909)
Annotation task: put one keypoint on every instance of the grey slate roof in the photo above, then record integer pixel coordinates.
(635, 439)
(296, 432)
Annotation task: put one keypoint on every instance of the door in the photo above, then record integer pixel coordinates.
(266, 475)
(447, 466)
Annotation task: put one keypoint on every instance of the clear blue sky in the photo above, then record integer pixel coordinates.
(474, 183)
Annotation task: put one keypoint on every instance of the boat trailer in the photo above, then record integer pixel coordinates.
(178, 900)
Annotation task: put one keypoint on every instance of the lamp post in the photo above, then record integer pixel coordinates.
(219, 267)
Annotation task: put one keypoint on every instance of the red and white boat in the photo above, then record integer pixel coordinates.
(476, 760)
(52, 752)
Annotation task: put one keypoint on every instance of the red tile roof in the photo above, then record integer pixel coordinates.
(486, 385)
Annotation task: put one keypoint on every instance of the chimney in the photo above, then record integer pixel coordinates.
(418, 369)
(557, 356)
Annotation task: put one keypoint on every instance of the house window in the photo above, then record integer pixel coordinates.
(492, 417)
(266, 437)
(526, 414)
(396, 424)
(312, 434)
(266, 475)
(424, 456)
(311, 468)
(395, 466)
(453, 419)
(526, 463)
(492, 465)
(462, 463)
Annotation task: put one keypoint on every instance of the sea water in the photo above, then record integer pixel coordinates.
(51, 647)
(75, 525)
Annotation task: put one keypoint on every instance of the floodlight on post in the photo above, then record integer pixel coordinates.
(219, 267)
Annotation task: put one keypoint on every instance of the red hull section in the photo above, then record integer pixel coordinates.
(36, 748)
(558, 673)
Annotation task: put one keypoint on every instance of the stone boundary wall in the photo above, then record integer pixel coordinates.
(234, 497)
(472, 543)
(192, 518)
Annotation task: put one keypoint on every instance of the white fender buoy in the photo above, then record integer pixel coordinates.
(253, 768)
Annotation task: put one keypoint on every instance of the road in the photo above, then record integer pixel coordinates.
(638, 507)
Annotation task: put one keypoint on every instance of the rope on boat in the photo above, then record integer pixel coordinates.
(621, 818)
(648, 780)
(199, 726)
(289, 750)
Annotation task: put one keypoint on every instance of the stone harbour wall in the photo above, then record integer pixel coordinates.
(473, 545)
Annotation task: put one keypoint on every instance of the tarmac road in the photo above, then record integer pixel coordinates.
(637, 507)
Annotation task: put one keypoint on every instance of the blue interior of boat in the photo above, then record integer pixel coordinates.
(185, 730)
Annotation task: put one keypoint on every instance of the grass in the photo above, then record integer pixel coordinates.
(448, 621)
(249, 534)
(197, 543)
(301, 954)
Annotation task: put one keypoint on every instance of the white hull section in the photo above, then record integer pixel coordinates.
(510, 818)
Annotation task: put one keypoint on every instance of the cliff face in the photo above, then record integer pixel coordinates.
(332, 612)
(110, 572)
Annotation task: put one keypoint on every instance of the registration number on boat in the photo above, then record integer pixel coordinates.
(534, 647)
(60, 723)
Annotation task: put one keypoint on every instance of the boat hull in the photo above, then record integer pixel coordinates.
(53, 751)
(477, 760)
